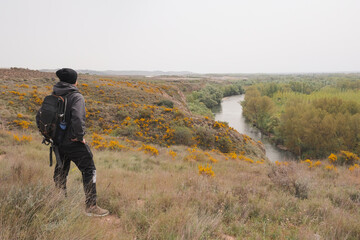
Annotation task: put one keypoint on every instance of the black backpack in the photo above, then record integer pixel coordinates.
(50, 120)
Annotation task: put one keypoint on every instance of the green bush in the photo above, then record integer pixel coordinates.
(166, 103)
(145, 113)
(122, 114)
(206, 136)
(183, 135)
(200, 109)
(129, 130)
(224, 144)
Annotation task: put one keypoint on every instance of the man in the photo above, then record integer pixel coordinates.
(74, 148)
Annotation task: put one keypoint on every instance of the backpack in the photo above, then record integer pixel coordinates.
(50, 119)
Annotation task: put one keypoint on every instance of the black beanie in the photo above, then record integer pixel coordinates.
(67, 75)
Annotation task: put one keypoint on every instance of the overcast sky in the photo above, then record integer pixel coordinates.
(242, 36)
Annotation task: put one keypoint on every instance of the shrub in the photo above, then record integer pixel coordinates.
(129, 130)
(183, 135)
(145, 113)
(166, 103)
(332, 158)
(206, 170)
(224, 144)
(149, 149)
(205, 136)
(122, 114)
(285, 178)
(301, 188)
(348, 158)
(23, 139)
(199, 108)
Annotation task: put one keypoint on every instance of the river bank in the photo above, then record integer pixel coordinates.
(230, 111)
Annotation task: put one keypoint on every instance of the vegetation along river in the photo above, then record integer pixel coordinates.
(230, 111)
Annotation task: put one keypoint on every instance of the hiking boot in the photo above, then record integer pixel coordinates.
(96, 211)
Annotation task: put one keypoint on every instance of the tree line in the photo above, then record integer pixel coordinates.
(202, 101)
(309, 120)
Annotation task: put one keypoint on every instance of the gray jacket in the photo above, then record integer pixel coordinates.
(75, 111)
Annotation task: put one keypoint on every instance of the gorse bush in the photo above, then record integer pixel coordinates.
(122, 114)
(224, 144)
(145, 113)
(166, 103)
(183, 135)
(206, 136)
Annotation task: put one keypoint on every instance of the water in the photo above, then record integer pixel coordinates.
(230, 111)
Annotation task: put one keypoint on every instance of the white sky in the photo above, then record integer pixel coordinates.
(202, 36)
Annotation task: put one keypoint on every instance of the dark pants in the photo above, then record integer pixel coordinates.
(81, 155)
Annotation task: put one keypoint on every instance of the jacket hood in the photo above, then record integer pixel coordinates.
(63, 88)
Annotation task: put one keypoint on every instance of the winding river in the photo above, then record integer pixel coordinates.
(230, 111)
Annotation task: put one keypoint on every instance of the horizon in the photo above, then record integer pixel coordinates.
(196, 73)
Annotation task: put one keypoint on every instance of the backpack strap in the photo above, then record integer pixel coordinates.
(64, 98)
(53, 147)
(51, 157)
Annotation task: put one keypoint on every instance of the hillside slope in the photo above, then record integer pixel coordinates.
(158, 189)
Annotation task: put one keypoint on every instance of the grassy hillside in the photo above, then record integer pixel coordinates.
(158, 189)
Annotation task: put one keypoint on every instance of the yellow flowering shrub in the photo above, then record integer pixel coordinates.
(332, 158)
(348, 157)
(262, 161)
(98, 141)
(22, 139)
(316, 164)
(277, 163)
(330, 167)
(199, 155)
(218, 125)
(308, 162)
(115, 145)
(23, 124)
(355, 166)
(246, 159)
(233, 155)
(206, 170)
(22, 85)
(172, 154)
(149, 149)
(211, 158)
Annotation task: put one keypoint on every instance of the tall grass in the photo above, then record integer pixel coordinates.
(156, 197)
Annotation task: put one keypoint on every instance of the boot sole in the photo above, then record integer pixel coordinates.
(96, 215)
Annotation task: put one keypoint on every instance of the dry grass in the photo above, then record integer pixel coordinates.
(162, 196)
(155, 197)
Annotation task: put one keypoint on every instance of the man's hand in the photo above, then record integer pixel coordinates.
(76, 140)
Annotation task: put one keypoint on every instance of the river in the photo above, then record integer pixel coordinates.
(230, 111)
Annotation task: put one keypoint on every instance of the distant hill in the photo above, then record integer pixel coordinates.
(128, 73)
(11, 73)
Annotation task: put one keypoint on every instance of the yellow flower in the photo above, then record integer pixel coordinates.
(332, 158)
(330, 168)
(172, 154)
(149, 149)
(207, 171)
